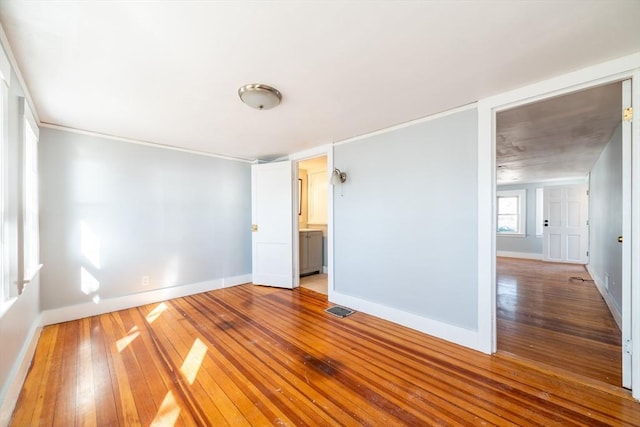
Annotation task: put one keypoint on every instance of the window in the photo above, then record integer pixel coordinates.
(539, 211)
(511, 212)
(31, 218)
(5, 73)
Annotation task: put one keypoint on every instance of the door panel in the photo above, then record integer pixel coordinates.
(272, 218)
(566, 231)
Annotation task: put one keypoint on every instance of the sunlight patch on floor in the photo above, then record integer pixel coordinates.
(153, 315)
(168, 412)
(193, 361)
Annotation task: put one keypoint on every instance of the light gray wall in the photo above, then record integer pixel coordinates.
(178, 218)
(605, 217)
(16, 324)
(406, 226)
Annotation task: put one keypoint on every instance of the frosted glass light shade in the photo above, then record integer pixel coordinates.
(259, 96)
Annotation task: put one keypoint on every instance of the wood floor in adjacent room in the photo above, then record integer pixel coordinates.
(544, 316)
(251, 355)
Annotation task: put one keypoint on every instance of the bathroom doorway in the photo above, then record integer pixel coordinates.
(313, 181)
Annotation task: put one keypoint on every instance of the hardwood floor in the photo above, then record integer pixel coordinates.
(252, 355)
(544, 316)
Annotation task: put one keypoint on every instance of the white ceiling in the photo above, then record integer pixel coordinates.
(168, 72)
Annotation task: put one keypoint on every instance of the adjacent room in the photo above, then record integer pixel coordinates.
(319, 213)
(560, 184)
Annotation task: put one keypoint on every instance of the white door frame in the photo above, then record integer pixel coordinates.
(608, 72)
(323, 150)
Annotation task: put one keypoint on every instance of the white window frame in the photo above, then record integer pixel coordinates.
(522, 211)
(5, 79)
(31, 231)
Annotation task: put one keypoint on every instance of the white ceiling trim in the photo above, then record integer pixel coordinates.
(551, 181)
(14, 64)
(148, 144)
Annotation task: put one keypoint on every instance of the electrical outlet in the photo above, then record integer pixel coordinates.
(145, 280)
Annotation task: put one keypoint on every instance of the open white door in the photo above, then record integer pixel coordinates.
(625, 243)
(272, 224)
(566, 230)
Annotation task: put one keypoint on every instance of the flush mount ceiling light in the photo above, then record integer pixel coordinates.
(259, 96)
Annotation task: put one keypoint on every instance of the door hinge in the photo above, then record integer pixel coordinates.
(628, 346)
(587, 253)
(627, 114)
(587, 222)
(587, 192)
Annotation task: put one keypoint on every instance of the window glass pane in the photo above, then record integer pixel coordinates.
(507, 223)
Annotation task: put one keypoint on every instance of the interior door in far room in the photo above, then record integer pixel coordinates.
(565, 228)
(272, 224)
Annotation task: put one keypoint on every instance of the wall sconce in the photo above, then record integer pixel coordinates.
(338, 177)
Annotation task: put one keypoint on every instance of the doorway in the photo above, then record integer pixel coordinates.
(313, 211)
(557, 141)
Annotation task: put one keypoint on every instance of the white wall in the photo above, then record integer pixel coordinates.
(405, 222)
(175, 217)
(605, 217)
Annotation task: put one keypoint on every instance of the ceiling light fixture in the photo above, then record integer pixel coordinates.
(259, 96)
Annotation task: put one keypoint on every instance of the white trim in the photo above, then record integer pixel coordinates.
(407, 124)
(17, 375)
(486, 229)
(330, 231)
(147, 143)
(568, 180)
(607, 72)
(521, 255)
(79, 311)
(461, 336)
(617, 316)
(14, 64)
(311, 153)
(5, 67)
(635, 237)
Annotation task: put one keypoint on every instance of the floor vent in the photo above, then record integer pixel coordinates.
(338, 311)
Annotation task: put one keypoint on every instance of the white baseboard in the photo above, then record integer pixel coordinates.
(79, 311)
(617, 316)
(455, 334)
(523, 255)
(325, 270)
(16, 377)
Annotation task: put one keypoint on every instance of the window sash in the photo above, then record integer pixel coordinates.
(511, 212)
(31, 236)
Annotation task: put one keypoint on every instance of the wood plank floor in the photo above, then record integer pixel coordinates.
(252, 355)
(544, 316)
